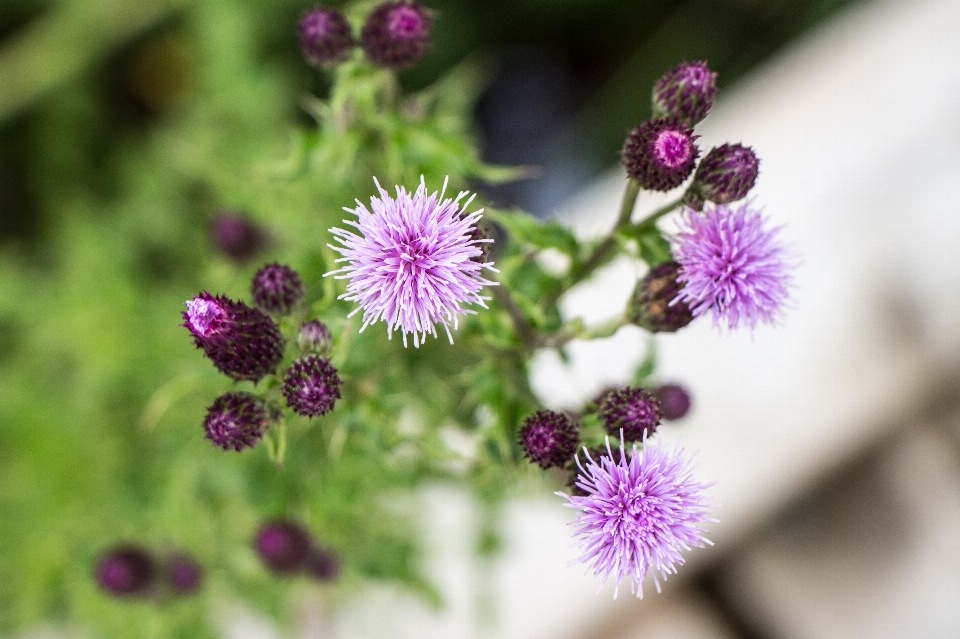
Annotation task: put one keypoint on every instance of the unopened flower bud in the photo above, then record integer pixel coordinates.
(396, 35)
(324, 565)
(659, 155)
(726, 174)
(549, 438)
(311, 386)
(655, 304)
(242, 342)
(314, 337)
(125, 570)
(236, 421)
(276, 288)
(632, 410)
(325, 37)
(685, 94)
(284, 546)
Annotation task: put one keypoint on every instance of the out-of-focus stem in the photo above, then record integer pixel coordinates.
(524, 331)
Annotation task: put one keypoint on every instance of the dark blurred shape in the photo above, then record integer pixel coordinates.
(284, 546)
(125, 570)
(183, 573)
(236, 236)
(674, 401)
(324, 565)
(314, 337)
(276, 288)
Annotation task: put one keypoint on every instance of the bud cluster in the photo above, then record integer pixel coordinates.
(245, 343)
(132, 571)
(395, 35)
(286, 548)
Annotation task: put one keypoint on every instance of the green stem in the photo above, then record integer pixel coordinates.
(576, 330)
(650, 221)
(601, 254)
(524, 331)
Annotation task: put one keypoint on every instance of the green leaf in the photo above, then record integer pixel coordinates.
(654, 249)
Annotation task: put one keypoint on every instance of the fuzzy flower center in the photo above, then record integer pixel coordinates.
(405, 23)
(633, 514)
(672, 148)
(203, 316)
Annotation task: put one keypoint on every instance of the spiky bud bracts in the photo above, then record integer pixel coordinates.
(236, 421)
(396, 35)
(549, 438)
(685, 94)
(632, 410)
(659, 155)
(325, 37)
(311, 386)
(276, 288)
(655, 304)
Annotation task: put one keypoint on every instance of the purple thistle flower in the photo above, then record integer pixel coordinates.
(659, 154)
(632, 411)
(242, 342)
(549, 438)
(731, 266)
(314, 337)
(725, 175)
(685, 94)
(655, 304)
(674, 401)
(236, 421)
(311, 386)
(276, 288)
(325, 37)
(637, 512)
(396, 35)
(125, 570)
(284, 546)
(412, 264)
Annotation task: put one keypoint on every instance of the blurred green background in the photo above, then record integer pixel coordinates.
(125, 125)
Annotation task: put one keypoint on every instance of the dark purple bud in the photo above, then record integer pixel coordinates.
(325, 37)
(242, 342)
(125, 570)
(674, 401)
(630, 409)
(183, 574)
(725, 175)
(237, 237)
(396, 35)
(276, 288)
(685, 94)
(549, 438)
(314, 337)
(311, 386)
(324, 565)
(236, 421)
(283, 546)
(655, 304)
(659, 155)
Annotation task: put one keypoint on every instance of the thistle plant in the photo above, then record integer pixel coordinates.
(365, 303)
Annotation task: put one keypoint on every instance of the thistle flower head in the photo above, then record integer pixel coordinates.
(311, 386)
(655, 304)
(276, 288)
(732, 266)
(325, 37)
(242, 342)
(659, 154)
(637, 511)
(411, 264)
(396, 35)
(236, 421)
(685, 94)
(284, 546)
(549, 438)
(725, 175)
(632, 411)
(125, 570)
